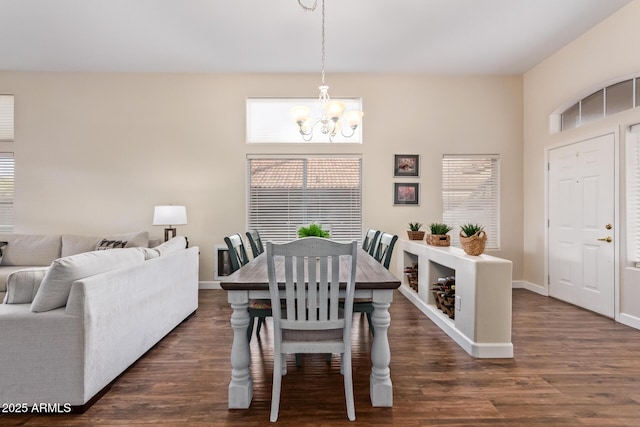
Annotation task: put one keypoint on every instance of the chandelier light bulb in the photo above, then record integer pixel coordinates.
(334, 109)
(353, 118)
(300, 114)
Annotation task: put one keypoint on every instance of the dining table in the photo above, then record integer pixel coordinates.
(373, 281)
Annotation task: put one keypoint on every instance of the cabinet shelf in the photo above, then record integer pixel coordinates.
(482, 325)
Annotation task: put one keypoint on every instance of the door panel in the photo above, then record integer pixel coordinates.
(581, 203)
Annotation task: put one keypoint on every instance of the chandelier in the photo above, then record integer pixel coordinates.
(331, 111)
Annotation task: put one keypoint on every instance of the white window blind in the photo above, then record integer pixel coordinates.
(287, 192)
(6, 118)
(6, 192)
(633, 193)
(471, 194)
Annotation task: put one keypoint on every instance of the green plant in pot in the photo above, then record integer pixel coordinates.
(313, 230)
(473, 238)
(439, 236)
(414, 231)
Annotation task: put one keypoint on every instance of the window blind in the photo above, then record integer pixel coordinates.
(633, 193)
(471, 194)
(6, 192)
(287, 192)
(6, 118)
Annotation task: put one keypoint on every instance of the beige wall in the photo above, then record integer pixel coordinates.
(604, 53)
(95, 152)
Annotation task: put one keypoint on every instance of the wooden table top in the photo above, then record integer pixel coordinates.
(370, 274)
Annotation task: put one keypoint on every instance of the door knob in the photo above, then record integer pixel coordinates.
(607, 239)
(608, 226)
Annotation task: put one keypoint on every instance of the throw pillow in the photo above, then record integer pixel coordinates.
(3, 246)
(56, 285)
(110, 244)
(22, 285)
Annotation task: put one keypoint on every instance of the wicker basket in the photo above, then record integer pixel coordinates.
(473, 245)
(438, 240)
(415, 235)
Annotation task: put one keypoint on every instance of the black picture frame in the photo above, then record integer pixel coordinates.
(405, 165)
(406, 193)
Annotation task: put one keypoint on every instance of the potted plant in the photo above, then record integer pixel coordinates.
(313, 230)
(439, 236)
(473, 238)
(414, 231)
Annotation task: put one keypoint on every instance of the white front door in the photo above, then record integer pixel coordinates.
(581, 201)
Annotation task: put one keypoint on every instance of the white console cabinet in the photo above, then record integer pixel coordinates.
(482, 325)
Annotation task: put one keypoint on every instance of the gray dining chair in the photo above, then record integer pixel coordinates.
(258, 308)
(313, 321)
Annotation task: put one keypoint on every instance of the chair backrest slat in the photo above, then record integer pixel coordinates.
(312, 280)
(383, 252)
(237, 253)
(370, 241)
(255, 241)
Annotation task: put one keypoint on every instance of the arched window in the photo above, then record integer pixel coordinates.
(612, 99)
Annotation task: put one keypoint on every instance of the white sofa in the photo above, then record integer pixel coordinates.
(34, 250)
(67, 355)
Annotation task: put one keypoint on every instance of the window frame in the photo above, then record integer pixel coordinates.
(457, 169)
(348, 230)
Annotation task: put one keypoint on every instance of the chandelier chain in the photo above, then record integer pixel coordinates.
(323, 54)
(312, 9)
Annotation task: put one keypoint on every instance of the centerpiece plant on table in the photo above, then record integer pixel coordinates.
(313, 230)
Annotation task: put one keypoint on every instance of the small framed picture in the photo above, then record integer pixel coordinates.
(406, 193)
(406, 165)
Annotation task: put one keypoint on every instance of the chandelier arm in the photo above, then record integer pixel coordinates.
(353, 132)
(308, 8)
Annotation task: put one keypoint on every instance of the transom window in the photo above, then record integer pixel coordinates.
(285, 192)
(269, 120)
(602, 103)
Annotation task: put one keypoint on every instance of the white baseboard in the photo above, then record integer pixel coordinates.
(629, 320)
(209, 285)
(478, 350)
(523, 284)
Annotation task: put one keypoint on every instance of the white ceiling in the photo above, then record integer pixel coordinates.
(231, 36)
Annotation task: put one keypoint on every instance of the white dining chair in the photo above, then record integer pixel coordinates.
(313, 321)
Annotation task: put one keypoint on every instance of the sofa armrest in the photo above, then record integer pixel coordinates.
(41, 356)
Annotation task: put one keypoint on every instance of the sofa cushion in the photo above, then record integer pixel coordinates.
(30, 249)
(73, 244)
(22, 285)
(55, 287)
(178, 243)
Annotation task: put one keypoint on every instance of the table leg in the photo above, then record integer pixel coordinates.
(241, 385)
(380, 388)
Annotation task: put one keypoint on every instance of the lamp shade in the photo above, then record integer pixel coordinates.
(170, 215)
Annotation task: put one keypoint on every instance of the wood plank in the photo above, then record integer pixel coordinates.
(571, 368)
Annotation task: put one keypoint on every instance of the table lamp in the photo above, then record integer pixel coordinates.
(169, 215)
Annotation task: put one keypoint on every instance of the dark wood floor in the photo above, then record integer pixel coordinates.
(571, 368)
